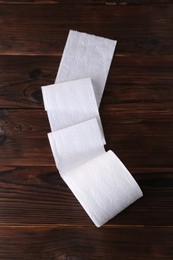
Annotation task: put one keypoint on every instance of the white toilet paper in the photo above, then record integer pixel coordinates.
(86, 56)
(70, 103)
(76, 145)
(98, 179)
(103, 186)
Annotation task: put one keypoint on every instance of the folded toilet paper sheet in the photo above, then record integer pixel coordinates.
(69, 103)
(98, 179)
(84, 56)
(76, 145)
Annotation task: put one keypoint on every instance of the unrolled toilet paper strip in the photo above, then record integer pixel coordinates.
(70, 103)
(103, 186)
(85, 56)
(98, 179)
(75, 145)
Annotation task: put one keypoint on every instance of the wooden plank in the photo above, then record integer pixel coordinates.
(141, 137)
(43, 29)
(37, 195)
(64, 2)
(107, 2)
(133, 80)
(138, 2)
(86, 243)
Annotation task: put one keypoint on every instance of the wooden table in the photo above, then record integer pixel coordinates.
(39, 216)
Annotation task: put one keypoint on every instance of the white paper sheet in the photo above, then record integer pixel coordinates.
(103, 186)
(70, 103)
(76, 145)
(86, 56)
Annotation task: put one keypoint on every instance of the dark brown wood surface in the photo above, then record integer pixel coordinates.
(39, 216)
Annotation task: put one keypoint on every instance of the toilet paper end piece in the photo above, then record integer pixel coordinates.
(87, 55)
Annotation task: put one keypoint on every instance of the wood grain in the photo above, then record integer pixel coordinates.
(106, 2)
(24, 138)
(62, 2)
(39, 216)
(42, 29)
(86, 243)
(141, 137)
(37, 195)
(143, 81)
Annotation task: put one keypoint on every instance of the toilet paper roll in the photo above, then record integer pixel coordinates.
(70, 103)
(103, 186)
(85, 56)
(76, 145)
(98, 179)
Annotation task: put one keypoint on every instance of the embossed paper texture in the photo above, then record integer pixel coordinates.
(69, 103)
(86, 56)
